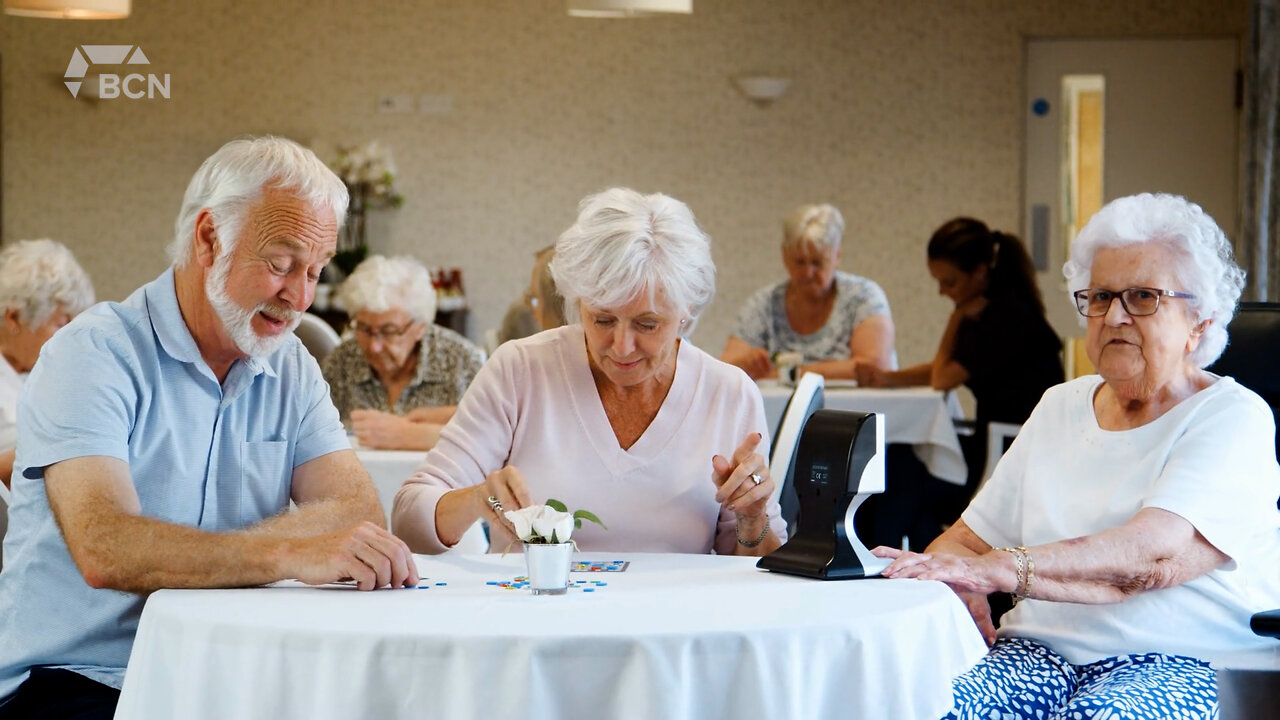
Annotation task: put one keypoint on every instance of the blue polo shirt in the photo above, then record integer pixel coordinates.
(126, 380)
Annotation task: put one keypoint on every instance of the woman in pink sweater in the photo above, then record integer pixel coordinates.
(617, 413)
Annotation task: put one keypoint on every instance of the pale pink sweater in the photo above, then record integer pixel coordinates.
(534, 405)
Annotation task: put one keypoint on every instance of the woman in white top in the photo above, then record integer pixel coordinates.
(41, 288)
(617, 413)
(1135, 515)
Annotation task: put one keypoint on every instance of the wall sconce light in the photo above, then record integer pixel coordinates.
(762, 89)
(69, 9)
(628, 8)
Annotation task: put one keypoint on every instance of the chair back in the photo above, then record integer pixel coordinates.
(317, 336)
(1250, 357)
(999, 435)
(5, 499)
(805, 400)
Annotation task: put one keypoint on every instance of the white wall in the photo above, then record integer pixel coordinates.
(902, 114)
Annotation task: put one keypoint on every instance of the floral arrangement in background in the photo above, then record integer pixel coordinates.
(548, 524)
(369, 173)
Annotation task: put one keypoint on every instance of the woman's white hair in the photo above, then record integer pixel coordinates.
(819, 226)
(383, 284)
(624, 244)
(37, 277)
(1205, 266)
(233, 178)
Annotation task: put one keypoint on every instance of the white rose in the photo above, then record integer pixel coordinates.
(554, 525)
(523, 520)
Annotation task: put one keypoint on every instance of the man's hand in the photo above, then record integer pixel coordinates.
(365, 553)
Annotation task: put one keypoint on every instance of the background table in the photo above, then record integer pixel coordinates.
(919, 416)
(675, 636)
(389, 469)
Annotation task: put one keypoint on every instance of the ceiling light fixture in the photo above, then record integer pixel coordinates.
(69, 9)
(628, 8)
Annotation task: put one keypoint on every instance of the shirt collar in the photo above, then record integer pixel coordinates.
(172, 331)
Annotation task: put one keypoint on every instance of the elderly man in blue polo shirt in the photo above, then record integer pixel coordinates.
(162, 438)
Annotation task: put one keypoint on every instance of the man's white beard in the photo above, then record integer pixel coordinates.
(237, 321)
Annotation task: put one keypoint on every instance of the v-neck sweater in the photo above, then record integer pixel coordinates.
(534, 405)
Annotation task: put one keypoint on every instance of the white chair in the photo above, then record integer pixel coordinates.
(5, 500)
(998, 433)
(317, 336)
(805, 400)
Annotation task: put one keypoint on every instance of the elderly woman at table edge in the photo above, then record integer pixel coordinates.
(1135, 514)
(162, 439)
(41, 288)
(616, 413)
(398, 381)
(834, 320)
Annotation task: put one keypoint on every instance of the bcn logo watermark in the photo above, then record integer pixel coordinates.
(109, 85)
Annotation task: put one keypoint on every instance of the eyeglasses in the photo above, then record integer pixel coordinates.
(1137, 301)
(387, 331)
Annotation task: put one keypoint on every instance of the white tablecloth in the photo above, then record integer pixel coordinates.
(389, 469)
(674, 636)
(920, 416)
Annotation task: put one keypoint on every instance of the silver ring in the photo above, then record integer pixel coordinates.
(756, 478)
(494, 504)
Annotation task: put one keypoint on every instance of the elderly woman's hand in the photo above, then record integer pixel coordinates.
(868, 374)
(994, 571)
(385, 431)
(743, 484)
(502, 490)
(972, 578)
(377, 429)
(753, 360)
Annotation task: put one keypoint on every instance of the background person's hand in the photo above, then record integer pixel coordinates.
(868, 375)
(365, 553)
(755, 361)
(382, 430)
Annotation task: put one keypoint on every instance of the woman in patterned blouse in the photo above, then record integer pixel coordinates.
(834, 320)
(399, 379)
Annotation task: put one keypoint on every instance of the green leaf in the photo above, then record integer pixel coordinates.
(580, 515)
(559, 506)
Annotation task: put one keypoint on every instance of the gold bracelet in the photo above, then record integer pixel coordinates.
(757, 541)
(1020, 557)
(1025, 592)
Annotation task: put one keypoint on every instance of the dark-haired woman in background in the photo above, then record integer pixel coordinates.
(997, 341)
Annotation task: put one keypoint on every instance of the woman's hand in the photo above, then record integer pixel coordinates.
(385, 431)
(995, 571)
(753, 360)
(502, 490)
(868, 374)
(381, 430)
(743, 484)
(972, 578)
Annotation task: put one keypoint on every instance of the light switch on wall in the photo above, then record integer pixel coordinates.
(390, 104)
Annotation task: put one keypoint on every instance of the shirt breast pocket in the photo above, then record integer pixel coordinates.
(265, 478)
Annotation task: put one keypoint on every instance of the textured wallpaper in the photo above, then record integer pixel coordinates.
(903, 114)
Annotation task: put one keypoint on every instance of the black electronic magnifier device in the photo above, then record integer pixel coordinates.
(839, 463)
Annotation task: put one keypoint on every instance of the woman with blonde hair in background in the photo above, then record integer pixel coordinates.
(833, 320)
